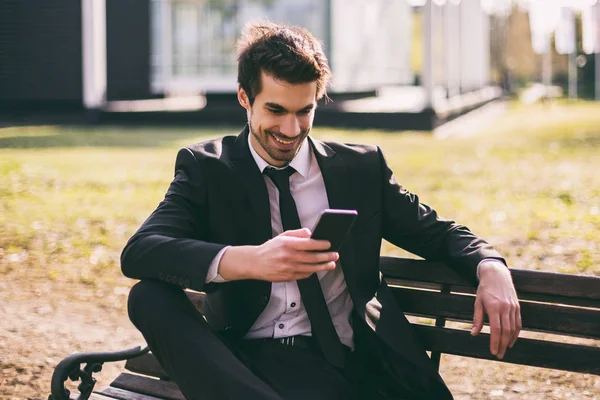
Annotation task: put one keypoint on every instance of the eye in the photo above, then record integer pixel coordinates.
(276, 111)
(305, 112)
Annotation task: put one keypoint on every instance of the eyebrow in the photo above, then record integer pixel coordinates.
(279, 107)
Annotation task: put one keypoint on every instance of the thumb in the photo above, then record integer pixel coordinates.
(477, 317)
(300, 233)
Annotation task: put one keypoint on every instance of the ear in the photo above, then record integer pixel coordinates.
(243, 98)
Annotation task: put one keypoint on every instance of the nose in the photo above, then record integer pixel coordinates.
(290, 126)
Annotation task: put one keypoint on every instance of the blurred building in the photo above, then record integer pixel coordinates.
(457, 48)
(101, 54)
(193, 42)
(50, 59)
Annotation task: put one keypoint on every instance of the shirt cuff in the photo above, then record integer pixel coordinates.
(484, 260)
(212, 276)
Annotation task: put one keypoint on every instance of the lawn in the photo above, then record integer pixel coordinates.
(70, 198)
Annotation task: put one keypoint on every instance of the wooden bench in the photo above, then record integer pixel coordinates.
(563, 304)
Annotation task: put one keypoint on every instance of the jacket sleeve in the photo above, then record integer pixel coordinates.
(172, 244)
(416, 227)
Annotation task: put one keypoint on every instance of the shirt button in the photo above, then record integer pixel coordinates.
(293, 305)
(281, 326)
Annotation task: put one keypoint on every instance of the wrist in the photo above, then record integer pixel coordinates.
(491, 268)
(235, 261)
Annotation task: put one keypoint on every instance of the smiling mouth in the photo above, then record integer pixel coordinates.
(282, 141)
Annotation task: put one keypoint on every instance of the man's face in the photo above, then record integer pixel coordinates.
(280, 118)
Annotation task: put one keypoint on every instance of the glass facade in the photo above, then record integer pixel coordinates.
(368, 43)
(204, 35)
(193, 41)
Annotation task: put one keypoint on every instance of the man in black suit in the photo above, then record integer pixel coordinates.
(285, 318)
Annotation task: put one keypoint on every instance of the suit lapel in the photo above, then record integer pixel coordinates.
(256, 189)
(339, 195)
(255, 293)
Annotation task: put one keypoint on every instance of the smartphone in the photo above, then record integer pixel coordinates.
(333, 226)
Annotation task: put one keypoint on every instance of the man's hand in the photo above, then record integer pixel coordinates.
(291, 256)
(496, 297)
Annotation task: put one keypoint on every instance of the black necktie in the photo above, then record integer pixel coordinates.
(310, 288)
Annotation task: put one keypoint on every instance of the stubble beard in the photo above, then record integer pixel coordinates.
(263, 140)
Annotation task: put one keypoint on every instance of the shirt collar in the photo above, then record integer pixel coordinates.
(301, 163)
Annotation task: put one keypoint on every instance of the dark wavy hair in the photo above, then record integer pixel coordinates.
(288, 53)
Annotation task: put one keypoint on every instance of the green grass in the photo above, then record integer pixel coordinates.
(530, 183)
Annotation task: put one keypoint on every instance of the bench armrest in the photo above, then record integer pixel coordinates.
(70, 368)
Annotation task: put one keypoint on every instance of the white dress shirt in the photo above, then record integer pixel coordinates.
(285, 314)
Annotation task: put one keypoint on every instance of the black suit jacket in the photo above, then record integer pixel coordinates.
(218, 197)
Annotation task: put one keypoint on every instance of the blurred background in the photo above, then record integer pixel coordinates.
(397, 64)
(488, 109)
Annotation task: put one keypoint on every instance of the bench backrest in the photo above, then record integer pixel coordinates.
(563, 304)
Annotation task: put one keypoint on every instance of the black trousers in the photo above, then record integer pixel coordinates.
(207, 366)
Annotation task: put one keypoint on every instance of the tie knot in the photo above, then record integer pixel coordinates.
(280, 177)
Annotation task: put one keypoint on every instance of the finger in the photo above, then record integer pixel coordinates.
(302, 268)
(300, 233)
(507, 330)
(517, 319)
(316, 257)
(495, 332)
(477, 317)
(306, 244)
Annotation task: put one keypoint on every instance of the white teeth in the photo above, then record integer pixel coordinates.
(282, 141)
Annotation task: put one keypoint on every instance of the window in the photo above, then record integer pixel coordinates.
(193, 41)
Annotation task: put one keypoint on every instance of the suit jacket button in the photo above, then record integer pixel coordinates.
(228, 327)
(265, 300)
(186, 283)
(161, 276)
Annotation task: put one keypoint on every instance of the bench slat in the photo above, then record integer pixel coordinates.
(120, 394)
(535, 316)
(533, 352)
(544, 298)
(147, 365)
(585, 287)
(153, 387)
(531, 285)
(95, 396)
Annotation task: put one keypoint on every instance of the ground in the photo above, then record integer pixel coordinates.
(70, 198)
